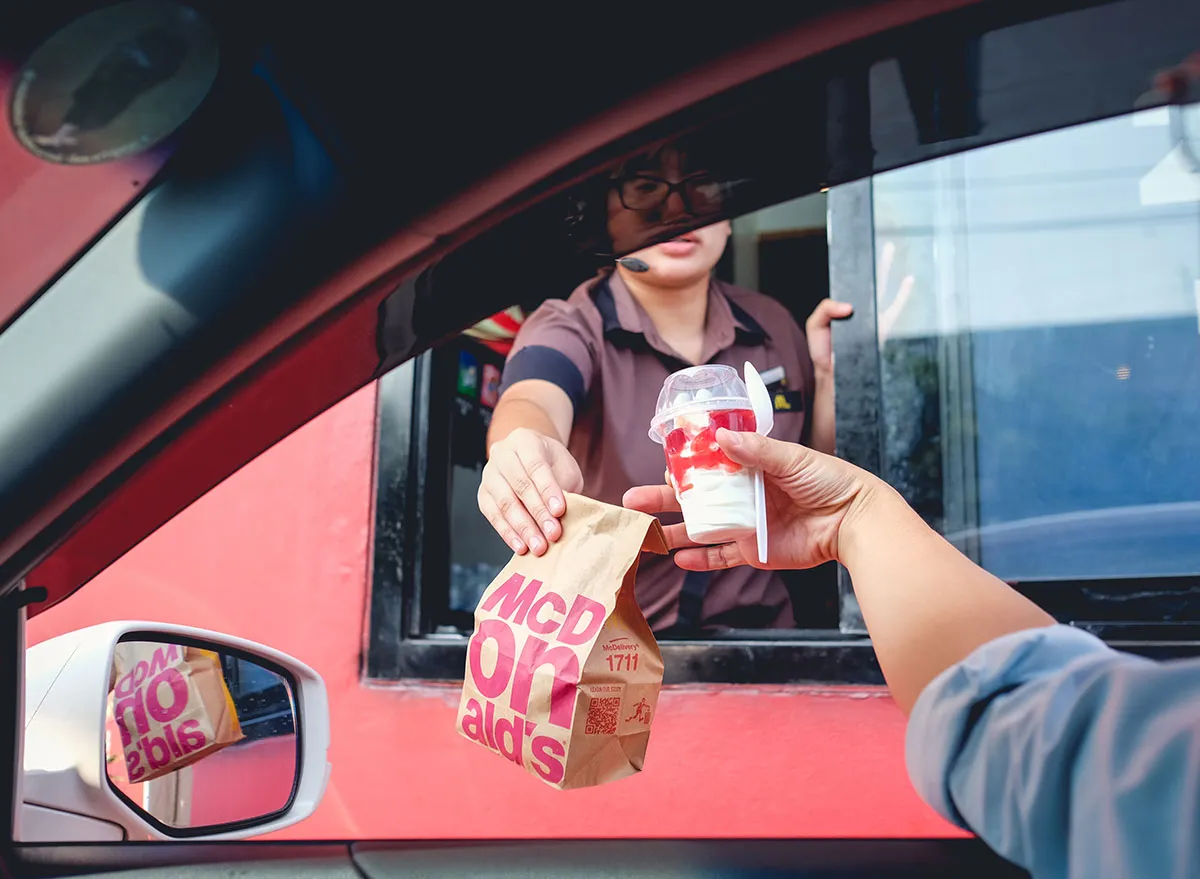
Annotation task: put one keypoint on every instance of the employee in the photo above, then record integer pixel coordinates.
(582, 380)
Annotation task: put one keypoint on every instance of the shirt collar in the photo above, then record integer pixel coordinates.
(625, 320)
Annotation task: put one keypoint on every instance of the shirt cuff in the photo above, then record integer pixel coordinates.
(953, 703)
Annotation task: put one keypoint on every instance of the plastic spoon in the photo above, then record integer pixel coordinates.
(764, 420)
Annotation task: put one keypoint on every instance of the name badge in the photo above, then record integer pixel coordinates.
(773, 376)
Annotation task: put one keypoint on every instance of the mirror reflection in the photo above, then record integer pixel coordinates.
(197, 738)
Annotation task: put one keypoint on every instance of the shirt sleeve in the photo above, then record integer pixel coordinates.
(1067, 757)
(555, 344)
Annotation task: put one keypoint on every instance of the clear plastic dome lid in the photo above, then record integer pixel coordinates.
(697, 389)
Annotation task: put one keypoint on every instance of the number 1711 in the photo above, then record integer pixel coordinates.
(622, 661)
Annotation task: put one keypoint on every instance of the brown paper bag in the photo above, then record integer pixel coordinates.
(562, 672)
(171, 707)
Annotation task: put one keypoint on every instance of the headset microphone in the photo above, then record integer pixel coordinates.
(633, 264)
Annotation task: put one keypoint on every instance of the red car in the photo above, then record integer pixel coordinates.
(254, 310)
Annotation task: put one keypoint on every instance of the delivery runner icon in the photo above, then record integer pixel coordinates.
(641, 712)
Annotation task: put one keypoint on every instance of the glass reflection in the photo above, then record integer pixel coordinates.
(1039, 321)
(197, 738)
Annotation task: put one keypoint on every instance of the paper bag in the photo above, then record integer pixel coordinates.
(171, 707)
(562, 673)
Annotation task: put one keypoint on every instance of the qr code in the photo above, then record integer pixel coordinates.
(602, 716)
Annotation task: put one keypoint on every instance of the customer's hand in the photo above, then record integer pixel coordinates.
(810, 499)
(521, 492)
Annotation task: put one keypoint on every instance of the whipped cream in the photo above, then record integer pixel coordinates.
(719, 506)
(693, 422)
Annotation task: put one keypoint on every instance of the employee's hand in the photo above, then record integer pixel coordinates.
(521, 492)
(819, 335)
(810, 499)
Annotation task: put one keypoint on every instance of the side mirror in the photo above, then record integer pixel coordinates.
(148, 731)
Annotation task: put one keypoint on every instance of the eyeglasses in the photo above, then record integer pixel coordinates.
(701, 193)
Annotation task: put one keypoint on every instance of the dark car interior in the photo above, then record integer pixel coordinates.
(344, 200)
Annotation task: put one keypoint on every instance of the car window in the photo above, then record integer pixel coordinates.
(261, 698)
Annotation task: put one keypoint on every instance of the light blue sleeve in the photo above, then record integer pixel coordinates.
(1068, 758)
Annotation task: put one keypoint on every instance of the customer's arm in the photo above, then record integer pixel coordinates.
(925, 604)
(1067, 757)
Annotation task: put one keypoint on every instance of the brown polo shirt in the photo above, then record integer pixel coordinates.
(602, 349)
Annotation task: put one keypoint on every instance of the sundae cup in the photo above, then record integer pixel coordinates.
(715, 493)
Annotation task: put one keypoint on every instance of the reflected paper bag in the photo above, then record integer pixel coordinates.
(562, 673)
(171, 707)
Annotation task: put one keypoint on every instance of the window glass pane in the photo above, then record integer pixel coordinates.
(1041, 358)
(477, 553)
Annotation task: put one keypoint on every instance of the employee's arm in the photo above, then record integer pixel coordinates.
(529, 467)
(532, 404)
(822, 429)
